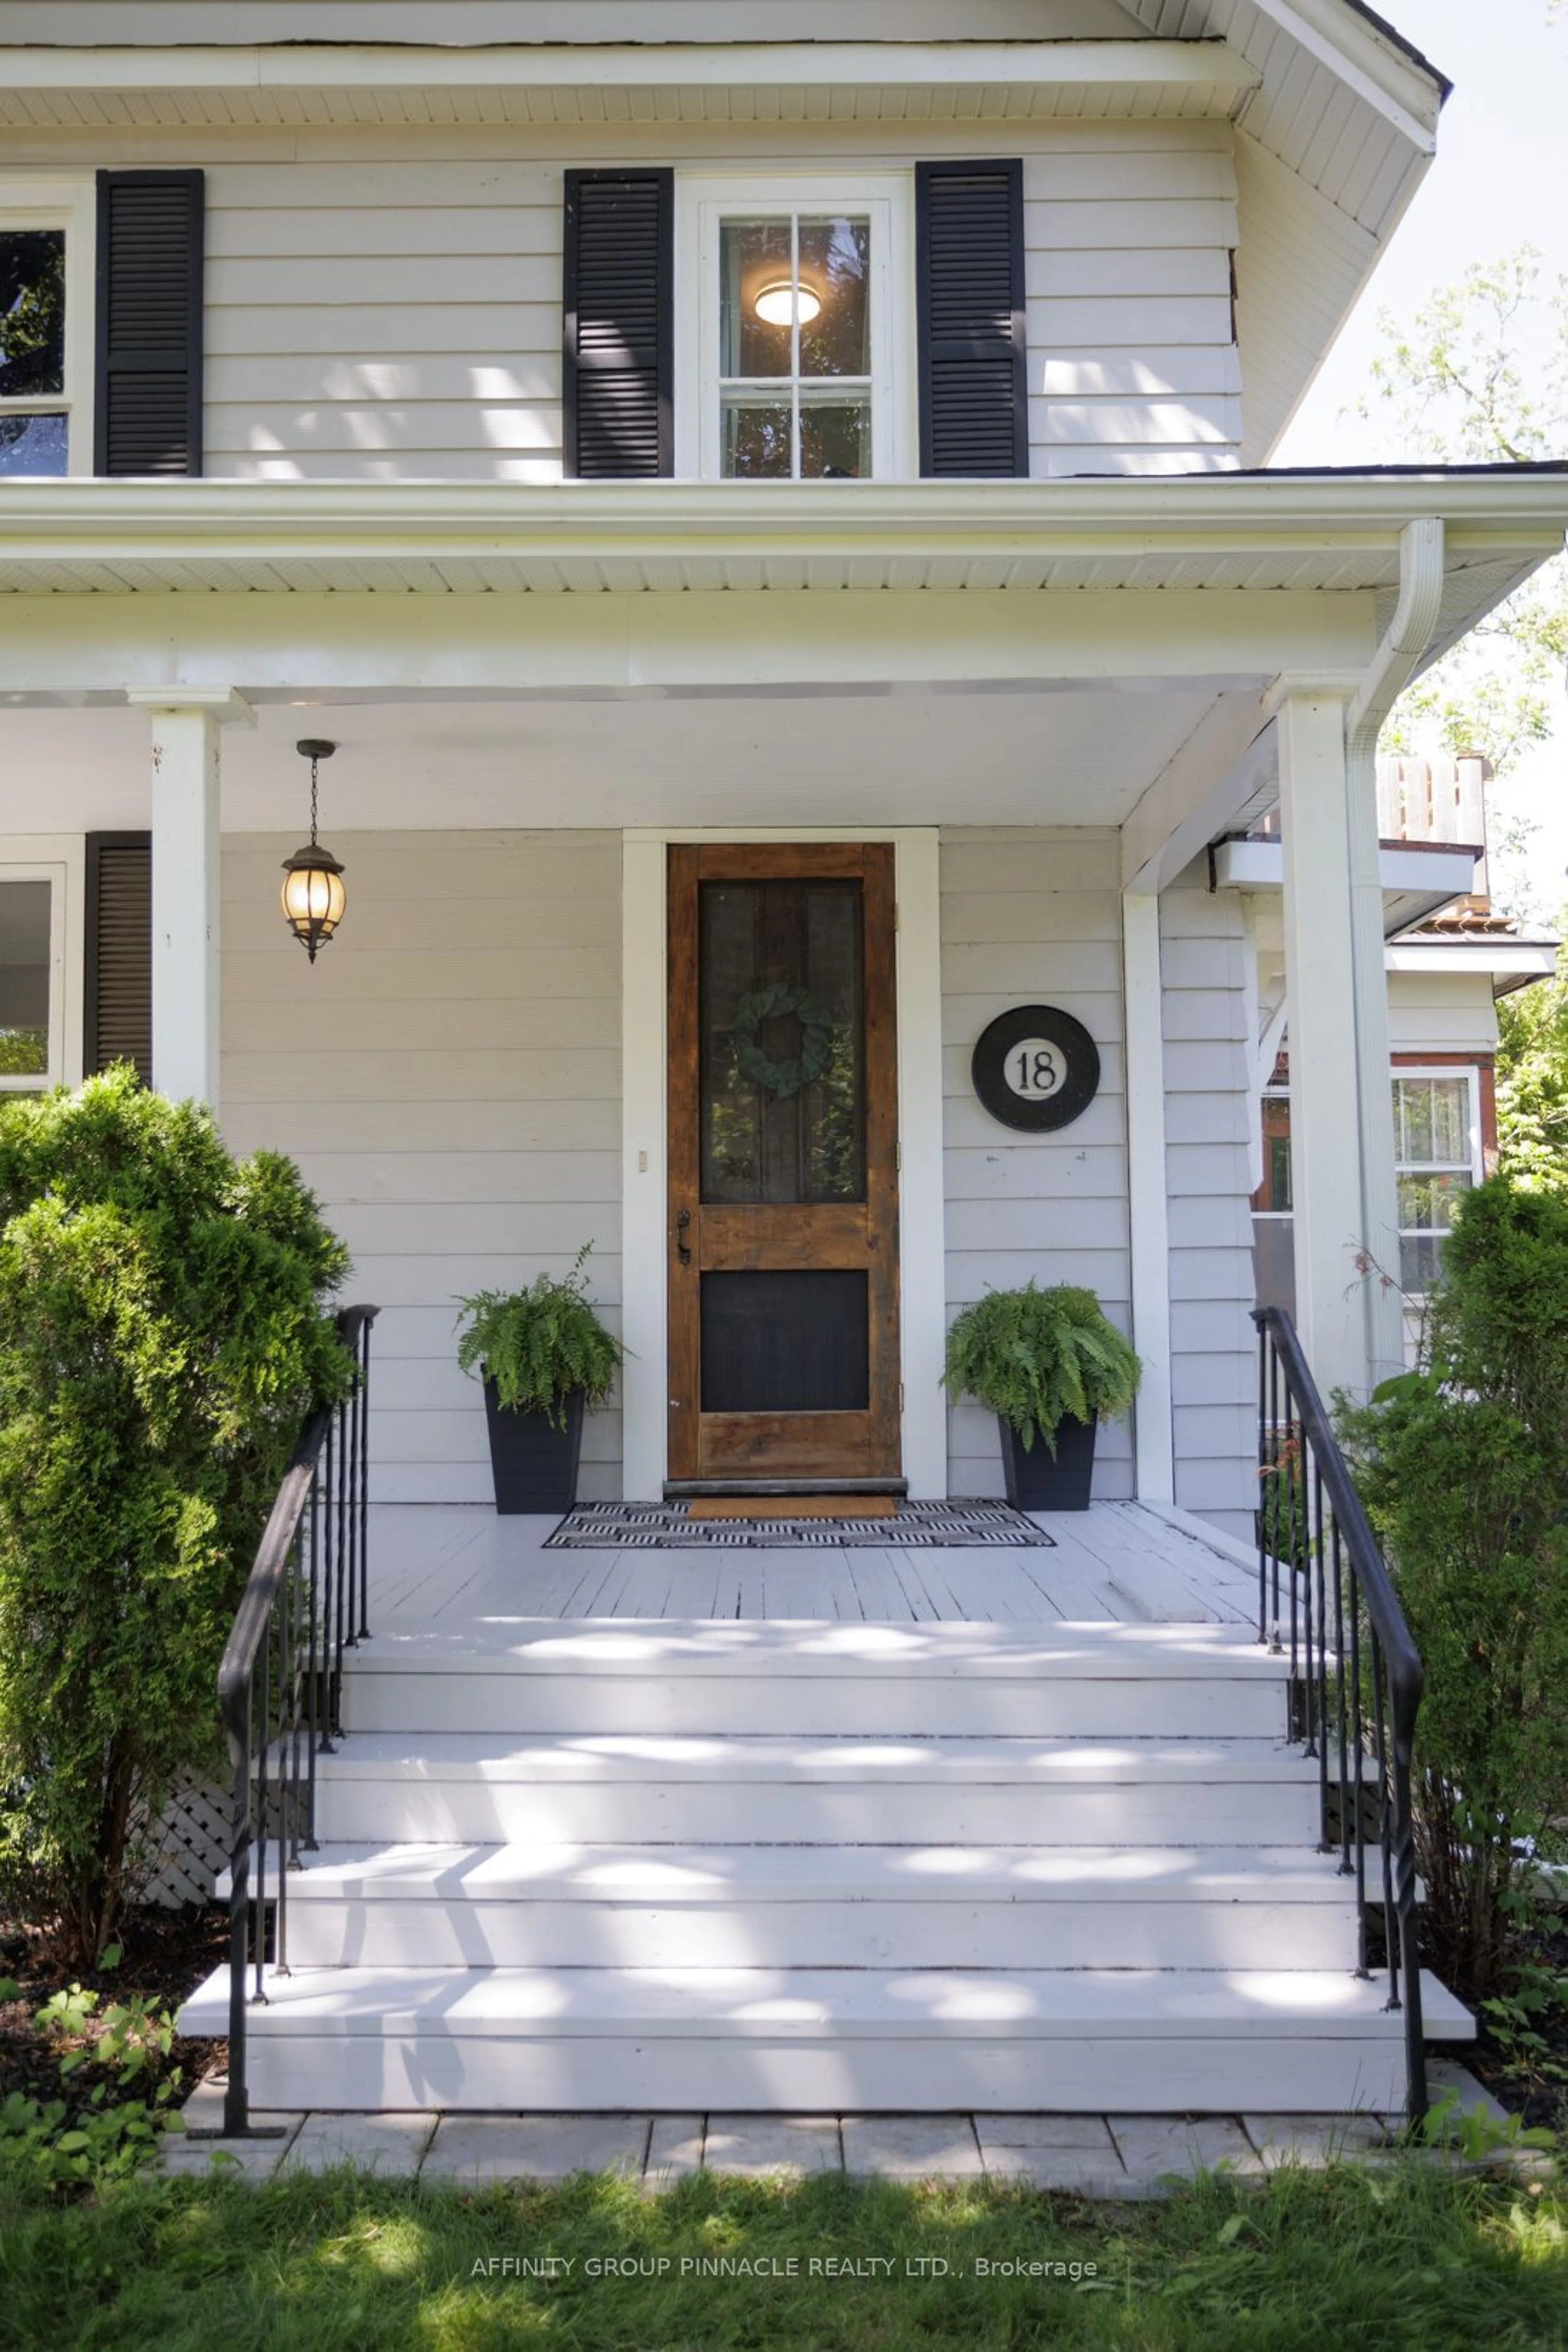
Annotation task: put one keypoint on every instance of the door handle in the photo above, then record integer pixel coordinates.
(681, 1224)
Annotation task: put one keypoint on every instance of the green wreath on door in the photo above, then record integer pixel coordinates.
(818, 1027)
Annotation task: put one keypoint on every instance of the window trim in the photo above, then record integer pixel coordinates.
(70, 205)
(1470, 1074)
(702, 200)
(59, 860)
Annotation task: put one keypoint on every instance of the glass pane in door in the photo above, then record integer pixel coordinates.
(782, 1025)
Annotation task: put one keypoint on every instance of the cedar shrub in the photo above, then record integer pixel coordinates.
(164, 1331)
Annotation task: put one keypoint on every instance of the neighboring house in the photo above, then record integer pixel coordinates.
(1450, 956)
(766, 506)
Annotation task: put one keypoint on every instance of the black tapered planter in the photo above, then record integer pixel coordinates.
(534, 1463)
(1038, 1482)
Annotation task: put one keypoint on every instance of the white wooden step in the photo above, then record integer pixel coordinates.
(825, 2041)
(725, 1789)
(824, 1907)
(728, 1646)
(966, 1697)
(671, 1675)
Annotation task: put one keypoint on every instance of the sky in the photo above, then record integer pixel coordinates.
(1500, 181)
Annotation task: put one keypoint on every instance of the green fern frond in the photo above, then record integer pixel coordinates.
(1038, 1358)
(541, 1346)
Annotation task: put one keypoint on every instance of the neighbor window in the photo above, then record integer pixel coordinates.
(793, 373)
(1273, 1224)
(46, 324)
(31, 1020)
(1435, 1144)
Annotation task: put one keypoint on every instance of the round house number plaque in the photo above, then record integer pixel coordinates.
(1036, 1068)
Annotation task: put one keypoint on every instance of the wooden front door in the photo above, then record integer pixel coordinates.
(783, 1199)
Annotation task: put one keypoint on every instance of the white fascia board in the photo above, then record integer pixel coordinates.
(1415, 883)
(1523, 513)
(1518, 958)
(741, 65)
(1365, 59)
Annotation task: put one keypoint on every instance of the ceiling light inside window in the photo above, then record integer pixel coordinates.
(777, 304)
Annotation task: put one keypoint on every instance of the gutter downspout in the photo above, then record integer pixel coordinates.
(1395, 664)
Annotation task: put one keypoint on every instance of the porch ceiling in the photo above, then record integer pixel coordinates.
(1009, 756)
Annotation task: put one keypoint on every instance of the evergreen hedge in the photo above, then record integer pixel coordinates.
(165, 1326)
(1463, 1465)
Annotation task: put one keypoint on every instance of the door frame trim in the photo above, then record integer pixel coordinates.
(645, 1180)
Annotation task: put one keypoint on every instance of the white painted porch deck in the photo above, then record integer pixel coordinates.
(1115, 1563)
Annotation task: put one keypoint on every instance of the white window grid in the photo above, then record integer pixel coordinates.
(32, 1081)
(1470, 1165)
(702, 206)
(70, 205)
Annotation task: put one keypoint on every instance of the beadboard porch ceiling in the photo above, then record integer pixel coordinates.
(1007, 756)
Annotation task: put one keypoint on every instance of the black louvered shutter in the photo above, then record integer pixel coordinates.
(148, 409)
(969, 265)
(119, 959)
(619, 325)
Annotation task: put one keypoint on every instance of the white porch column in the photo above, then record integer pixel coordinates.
(1326, 1088)
(1152, 1440)
(186, 881)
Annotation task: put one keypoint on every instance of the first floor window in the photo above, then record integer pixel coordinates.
(30, 961)
(1273, 1226)
(1435, 1129)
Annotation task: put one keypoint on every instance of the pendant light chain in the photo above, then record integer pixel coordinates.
(313, 894)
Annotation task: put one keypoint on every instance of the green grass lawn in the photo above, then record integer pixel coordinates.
(1409, 2260)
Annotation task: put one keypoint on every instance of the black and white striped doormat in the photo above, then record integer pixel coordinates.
(665, 1526)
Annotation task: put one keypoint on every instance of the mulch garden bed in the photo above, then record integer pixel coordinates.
(164, 1955)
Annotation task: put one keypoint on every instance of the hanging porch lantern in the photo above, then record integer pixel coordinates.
(313, 892)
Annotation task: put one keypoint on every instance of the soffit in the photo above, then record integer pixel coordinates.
(1230, 532)
(366, 86)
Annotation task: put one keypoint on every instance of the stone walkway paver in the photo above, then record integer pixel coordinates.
(913, 2147)
(1086, 2155)
(534, 2147)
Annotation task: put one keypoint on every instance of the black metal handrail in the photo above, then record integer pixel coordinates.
(280, 1683)
(1357, 1675)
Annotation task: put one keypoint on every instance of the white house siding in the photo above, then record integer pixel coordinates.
(450, 1086)
(1441, 1011)
(1033, 917)
(1208, 1117)
(385, 304)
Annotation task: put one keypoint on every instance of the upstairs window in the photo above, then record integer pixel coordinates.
(795, 338)
(46, 330)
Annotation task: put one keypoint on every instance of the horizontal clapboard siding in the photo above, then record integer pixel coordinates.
(1032, 916)
(450, 1086)
(1132, 361)
(383, 312)
(1209, 1111)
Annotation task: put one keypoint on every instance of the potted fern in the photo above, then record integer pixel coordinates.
(544, 1357)
(1049, 1364)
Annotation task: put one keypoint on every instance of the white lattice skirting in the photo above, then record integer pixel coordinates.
(190, 1844)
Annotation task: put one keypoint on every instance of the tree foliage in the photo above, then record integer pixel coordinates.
(1479, 376)
(1533, 1081)
(1463, 1469)
(162, 1332)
